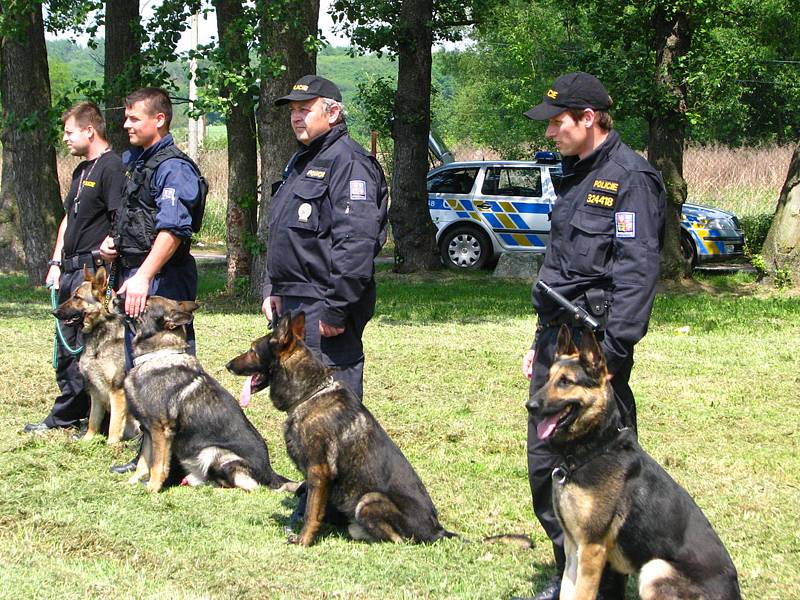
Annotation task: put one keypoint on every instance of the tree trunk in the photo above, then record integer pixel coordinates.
(668, 132)
(782, 246)
(25, 90)
(12, 257)
(122, 69)
(242, 152)
(413, 230)
(281, 45)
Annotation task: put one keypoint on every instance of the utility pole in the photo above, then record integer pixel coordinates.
(194, 124)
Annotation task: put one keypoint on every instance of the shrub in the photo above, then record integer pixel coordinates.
(755, 229)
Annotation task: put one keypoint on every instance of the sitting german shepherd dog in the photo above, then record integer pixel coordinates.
(349, 461)
(185, 413)
(102, 363)
(614, 502)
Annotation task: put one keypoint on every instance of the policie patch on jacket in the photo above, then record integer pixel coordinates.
(626, 224)
(316, 173)
(603, 194)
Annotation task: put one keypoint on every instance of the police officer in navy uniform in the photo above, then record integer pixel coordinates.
(164, 200)
(93, 199)
(605, 239)
(327, 223)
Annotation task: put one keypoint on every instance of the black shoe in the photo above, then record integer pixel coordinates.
(551, 591)
(82, 429)
(122, 469)
(36, 427)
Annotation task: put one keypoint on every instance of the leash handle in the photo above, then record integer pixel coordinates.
(112, 280)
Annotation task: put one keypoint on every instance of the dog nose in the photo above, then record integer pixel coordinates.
(533, 404)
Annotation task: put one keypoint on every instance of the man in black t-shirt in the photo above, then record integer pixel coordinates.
(94, 196)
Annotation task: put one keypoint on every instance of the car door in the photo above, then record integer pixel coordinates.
(512, 203)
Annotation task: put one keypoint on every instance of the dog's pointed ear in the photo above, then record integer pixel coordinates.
(99, 282)
(180, 316)
(299, 325)
(591, 355)
(188, 306)
(564, 343)
(283, 329)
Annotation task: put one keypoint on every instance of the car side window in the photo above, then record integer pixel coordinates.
(513, 181)
(452, 181)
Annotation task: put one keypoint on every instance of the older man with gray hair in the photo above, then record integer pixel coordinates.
(327, 223)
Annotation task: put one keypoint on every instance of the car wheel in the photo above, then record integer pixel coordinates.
(688, 249)
(465, 248)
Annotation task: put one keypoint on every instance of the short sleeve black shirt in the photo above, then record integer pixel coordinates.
(94, 196)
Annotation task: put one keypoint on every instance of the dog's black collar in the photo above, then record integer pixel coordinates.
(572, 462)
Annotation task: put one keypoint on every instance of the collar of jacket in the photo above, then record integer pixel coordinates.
(140, 154)
(573, 164)
(322, 142)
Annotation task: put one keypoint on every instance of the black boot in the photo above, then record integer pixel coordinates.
(550, 591)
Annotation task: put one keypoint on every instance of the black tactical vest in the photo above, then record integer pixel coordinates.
(135, 227)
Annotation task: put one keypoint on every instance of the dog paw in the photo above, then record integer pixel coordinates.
(289, 487)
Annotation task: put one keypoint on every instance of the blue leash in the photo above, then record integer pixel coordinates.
(59, 337)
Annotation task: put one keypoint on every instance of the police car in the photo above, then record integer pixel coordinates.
(484, 208)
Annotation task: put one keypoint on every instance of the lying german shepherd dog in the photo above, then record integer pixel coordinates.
(349, 461)
(185, 414)
(102, 362)
(614, 502)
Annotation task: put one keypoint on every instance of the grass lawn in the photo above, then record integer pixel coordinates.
(719, 407)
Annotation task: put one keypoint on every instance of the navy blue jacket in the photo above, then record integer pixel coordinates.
(327, 223)
(606, 233)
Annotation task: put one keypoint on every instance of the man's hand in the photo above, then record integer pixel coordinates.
(326, 330)
(108, 249)
(53, 275)
(527, 363)
(135, 291)
(272, 307)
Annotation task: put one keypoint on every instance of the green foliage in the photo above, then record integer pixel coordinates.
(756, 228)
(783, 278)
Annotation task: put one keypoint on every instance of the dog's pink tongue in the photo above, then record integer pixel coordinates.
(546, 428)
(244, 396)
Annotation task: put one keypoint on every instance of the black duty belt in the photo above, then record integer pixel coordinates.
(77, 262)
(135, 260)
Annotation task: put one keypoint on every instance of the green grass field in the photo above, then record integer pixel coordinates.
(718, 407)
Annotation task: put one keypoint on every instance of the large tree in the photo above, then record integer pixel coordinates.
(236, 91)
(122, 67)
(27, 132)
(782, 246)
(407, 29)
(288, 50)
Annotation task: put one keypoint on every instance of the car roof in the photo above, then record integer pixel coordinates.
(493, 163)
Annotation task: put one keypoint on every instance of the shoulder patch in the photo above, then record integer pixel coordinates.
(168, 194)
(626, 224)
(358, 189)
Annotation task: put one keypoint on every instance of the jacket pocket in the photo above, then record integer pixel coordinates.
(592, 239)
(305, 205)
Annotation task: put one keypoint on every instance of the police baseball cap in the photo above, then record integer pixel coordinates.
(573, 90)
(311, 86)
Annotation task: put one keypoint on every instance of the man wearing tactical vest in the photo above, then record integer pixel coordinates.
(164, 203)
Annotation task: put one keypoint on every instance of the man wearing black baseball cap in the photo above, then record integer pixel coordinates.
(327, 223)
(605, 237)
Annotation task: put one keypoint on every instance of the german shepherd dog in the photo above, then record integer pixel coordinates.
(102, 362)
(185, 414)
(614, 502)
(349, 461)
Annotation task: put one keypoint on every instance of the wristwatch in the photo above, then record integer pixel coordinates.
(54, 263)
